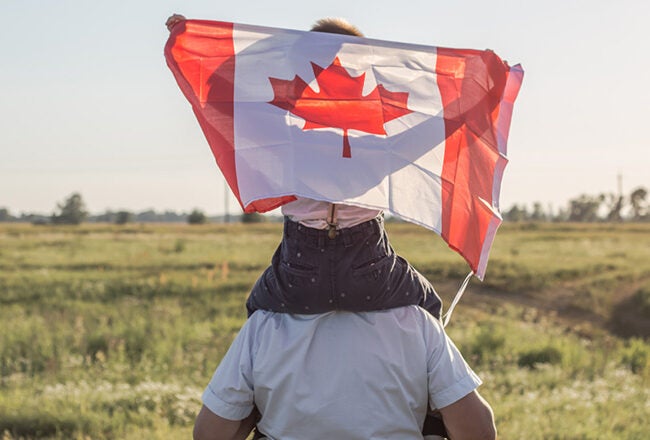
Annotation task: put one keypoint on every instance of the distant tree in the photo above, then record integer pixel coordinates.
(106, 217)
(538, 213)
(172, 216)
(71, 212)
(197, 217)
(639, 204)
(123, 217)
(561, 216)
(146, 216)
(585, 208)
(516, 214)
(254, 217)
(614, 205)
(4, 215)
(35, 219)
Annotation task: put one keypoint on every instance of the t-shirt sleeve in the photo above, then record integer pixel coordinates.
(230, 391)
(449, 376)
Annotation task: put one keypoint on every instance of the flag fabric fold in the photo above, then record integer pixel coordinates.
(415, 130)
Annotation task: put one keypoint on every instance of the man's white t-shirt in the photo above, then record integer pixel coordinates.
(340, 375)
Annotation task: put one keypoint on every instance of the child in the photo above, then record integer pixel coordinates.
(337, 257)
(333, 256)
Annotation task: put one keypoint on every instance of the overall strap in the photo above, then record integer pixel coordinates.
(331, 221)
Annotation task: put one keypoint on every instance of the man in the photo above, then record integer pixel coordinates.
(342, 375)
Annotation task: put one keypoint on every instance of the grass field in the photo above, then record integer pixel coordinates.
(111, 332)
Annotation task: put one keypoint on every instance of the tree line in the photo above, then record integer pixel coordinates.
(584, 208)
(604, 207)
(72, 211)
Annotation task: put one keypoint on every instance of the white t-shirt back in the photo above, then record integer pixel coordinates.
(340, 375)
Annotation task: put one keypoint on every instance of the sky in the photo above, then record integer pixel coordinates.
(88, 105)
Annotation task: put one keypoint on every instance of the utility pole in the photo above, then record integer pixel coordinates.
(226, 211)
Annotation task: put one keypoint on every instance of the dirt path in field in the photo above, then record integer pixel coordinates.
(557, 305)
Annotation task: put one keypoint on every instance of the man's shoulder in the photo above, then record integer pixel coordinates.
(261, 315)
(411, 316)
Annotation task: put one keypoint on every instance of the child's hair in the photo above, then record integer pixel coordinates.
(336, 26)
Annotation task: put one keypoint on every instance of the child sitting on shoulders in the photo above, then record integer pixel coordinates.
(338, 257)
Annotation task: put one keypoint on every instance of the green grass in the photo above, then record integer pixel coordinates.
(111, 332)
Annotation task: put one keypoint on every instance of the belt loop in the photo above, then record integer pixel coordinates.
(287, 226)
(378, 224)
(347, 238)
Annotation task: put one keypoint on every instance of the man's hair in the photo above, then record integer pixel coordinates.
(336, 26)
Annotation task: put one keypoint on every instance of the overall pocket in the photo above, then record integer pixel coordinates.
(374, 269)
(298, 275)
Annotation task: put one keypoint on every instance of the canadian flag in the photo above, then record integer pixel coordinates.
(415, 130)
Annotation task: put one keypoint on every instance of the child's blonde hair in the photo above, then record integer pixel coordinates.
(336, 26)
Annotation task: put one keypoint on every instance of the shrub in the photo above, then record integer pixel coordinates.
(544, 355)
(197, 217)
(636, 356)
(253, 217)
(486, 344)
(180, 245)
(124, 217)
(97, 342)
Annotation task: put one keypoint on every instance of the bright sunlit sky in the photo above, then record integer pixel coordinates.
(88, 105)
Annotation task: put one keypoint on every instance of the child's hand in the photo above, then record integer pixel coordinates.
(173, 20)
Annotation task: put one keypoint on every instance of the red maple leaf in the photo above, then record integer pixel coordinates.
(340, 102)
